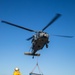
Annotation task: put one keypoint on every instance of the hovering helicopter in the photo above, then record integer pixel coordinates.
(40, 39)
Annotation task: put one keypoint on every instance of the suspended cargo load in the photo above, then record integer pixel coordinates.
(35, 74)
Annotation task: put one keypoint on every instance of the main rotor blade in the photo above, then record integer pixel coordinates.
(17, 26)
(29, 38)
(64, 36)
(55, 18)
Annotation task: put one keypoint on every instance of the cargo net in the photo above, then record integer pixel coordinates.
(33, 73)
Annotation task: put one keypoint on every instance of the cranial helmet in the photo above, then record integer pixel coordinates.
(16, 69)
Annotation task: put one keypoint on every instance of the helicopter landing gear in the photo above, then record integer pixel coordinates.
(33, 57)
(46, 45)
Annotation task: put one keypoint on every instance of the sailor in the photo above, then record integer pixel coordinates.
(16, 72)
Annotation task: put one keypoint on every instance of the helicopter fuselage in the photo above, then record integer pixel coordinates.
(39, 40)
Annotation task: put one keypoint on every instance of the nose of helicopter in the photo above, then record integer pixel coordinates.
(46, 35)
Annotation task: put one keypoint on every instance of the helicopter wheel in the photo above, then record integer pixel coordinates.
(46, 45)
(33, 57)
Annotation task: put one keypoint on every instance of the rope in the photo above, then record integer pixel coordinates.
(30, 49)
(33, 69)
(38, 67)
(35, 65)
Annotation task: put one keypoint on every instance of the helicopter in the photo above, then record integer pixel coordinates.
(40, 38)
